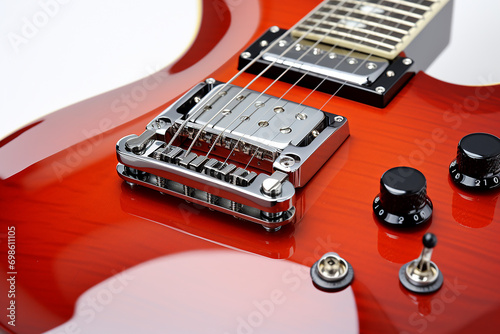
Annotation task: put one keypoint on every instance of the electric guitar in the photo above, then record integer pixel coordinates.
(298, 172)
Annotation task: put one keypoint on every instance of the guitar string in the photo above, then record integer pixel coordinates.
(344, 83)
(201, 107)
(249, 160)
(304, 74)
(251, 104)
(331, 97)
(195, 139)
(290, 88)
(352, 50)
(307, 17)
(371, 54)
(297, 106)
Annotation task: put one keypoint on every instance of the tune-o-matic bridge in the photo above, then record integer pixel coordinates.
(233, 150)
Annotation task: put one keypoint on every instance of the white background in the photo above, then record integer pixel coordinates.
(84, 48)
(79, 49)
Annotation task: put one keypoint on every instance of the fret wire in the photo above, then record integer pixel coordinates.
(366, 31)
(356, 34)
(390, 9)
(402, 21)
(356, 38)
(410, 4)
(379, 20)
(384, 17)
(348, 41)
(426, 3)
(403, 6)
(370, 23)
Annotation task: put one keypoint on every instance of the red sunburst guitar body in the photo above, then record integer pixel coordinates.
(78, 225)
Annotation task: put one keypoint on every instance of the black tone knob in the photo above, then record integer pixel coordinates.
(403, 197)
(477, 165)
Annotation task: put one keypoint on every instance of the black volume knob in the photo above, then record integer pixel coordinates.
(477, 164)
(403, 197)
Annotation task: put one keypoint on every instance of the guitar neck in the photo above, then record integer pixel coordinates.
(381, 28)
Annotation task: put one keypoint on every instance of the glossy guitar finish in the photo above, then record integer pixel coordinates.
(77, 224)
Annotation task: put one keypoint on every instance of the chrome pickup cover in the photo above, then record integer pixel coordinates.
(252, 152)
(334, 62)
(333, 70)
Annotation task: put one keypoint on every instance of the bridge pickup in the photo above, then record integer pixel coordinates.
(233, 150)
(361, 77)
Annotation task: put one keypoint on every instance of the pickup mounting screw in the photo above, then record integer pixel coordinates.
(246, 55)
(274, 29)
(407, 61)
(338, 118)
(380, 89)
(352, 61)
(390, 74)
(264, 43)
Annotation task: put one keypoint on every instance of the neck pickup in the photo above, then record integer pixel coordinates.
(352, 48)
